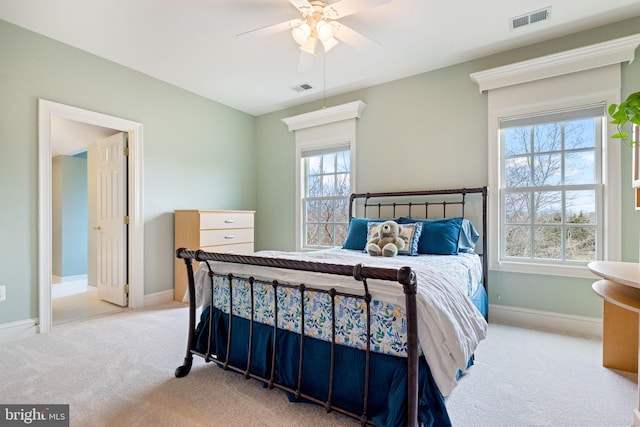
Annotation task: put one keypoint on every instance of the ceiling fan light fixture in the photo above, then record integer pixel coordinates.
(301, 33)
(317, 22)
(324, 30)
(329, 44)
(309, 45)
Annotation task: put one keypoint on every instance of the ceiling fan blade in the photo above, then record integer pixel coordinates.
(305, 63)
(350, 36)
(349, 7)
(268, 30)
(302, 5)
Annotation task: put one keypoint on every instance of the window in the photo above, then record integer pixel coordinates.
(554, 178)
(551, 187)
(327, 185)
(325, 173)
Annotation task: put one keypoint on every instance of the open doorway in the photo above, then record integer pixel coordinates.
(49, 112)
(76, 228)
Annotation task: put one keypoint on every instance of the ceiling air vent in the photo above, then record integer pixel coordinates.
(302, 87)
(530, 18)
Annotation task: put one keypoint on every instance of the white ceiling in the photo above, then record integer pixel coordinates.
(192, 43)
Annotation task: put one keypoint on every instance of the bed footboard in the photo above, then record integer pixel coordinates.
(185, 368)
(405, 276)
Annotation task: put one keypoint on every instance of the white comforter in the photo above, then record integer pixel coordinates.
(449, 326)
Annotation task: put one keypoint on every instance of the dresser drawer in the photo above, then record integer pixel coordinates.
(232, 219)
(212, 231)
(238, 248)
(225, 237)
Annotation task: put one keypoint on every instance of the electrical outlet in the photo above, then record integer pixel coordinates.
(3, 293)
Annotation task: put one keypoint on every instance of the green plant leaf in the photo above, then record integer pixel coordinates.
(630, 111)
(634, 98)
(626, 111)
(619, 118)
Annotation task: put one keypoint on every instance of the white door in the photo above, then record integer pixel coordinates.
(111, 245)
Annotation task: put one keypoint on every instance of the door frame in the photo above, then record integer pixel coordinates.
(135, 248)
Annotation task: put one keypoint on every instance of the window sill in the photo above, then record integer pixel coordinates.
(577, 271)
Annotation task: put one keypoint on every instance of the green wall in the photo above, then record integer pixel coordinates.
(188, 140)
(69, 216)
(193, 149)
(437, 121)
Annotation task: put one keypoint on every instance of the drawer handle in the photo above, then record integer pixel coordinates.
(229, 221)
(231, 236)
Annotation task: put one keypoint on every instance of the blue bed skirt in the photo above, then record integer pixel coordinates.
(387, 382)
(481, 301)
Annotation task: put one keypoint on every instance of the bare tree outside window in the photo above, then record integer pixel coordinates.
(326, 200)
(549, 209)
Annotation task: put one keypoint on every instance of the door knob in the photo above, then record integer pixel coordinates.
(98, 228)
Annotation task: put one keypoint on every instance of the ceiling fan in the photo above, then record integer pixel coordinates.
(318, 24)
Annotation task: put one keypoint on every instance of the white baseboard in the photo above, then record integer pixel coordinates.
(157, 298)
(15, 330)
(546, 320)
(64, 279)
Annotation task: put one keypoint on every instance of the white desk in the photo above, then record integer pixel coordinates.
(620, 289)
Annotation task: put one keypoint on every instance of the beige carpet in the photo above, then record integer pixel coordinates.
(118, 371)
(531, 378)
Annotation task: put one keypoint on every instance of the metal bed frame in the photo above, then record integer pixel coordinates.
(404, 276)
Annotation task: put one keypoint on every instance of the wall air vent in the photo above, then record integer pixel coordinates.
(530, 18)
(301, 87)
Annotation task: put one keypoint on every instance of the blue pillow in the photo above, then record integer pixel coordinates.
(410, 234)
(357, 235)
(439, 236)
(468, 237)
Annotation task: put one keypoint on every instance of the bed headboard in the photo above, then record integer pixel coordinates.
(468, 203)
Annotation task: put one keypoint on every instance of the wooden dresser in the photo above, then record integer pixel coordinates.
(211, 231)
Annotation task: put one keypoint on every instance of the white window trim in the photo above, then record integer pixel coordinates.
(326, 128)
(584, 58)
(611, 180)
(577, 60)
(565, 269)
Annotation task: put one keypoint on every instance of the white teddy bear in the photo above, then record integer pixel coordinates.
(387, 242)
